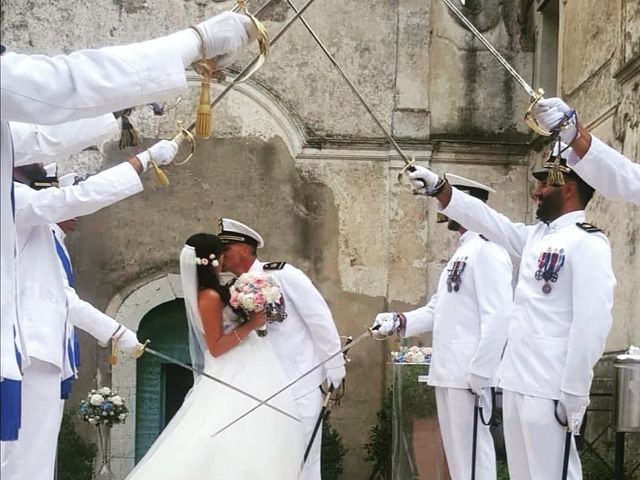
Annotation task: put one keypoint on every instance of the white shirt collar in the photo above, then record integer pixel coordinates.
(256, 265)
(467, 236)
(567, 219)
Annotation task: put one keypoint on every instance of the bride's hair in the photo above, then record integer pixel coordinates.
(206, 246)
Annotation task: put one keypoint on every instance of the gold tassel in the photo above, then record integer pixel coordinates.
(129, 136)
(161, 178)
(113, 358)
(555, 177)
(203, 116)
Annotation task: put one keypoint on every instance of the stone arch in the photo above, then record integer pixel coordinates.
(129, 306)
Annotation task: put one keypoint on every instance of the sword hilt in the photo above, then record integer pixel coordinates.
(530, 118)
(181, 137)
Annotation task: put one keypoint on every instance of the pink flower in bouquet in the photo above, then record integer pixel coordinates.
(259, 299)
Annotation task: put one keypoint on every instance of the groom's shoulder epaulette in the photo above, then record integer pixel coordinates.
(274, 266)
(587, 227)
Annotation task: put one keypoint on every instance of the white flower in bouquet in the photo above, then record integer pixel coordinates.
(96, 399)
(117, 400)
(105, 391)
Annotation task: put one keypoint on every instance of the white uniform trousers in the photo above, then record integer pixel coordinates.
(455, 417)
(33, 455)
(309, 407)
(535, 440)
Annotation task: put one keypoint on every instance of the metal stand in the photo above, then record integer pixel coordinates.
(618, 467)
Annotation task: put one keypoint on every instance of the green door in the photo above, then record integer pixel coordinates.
(161, 386)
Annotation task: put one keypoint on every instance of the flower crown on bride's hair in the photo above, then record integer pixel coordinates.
(206, 261)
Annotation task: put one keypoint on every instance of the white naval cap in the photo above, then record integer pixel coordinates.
(68, 180)
(51, 169)
(471, 187)
(232, 231)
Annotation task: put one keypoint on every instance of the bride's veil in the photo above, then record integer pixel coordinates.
(189, 277)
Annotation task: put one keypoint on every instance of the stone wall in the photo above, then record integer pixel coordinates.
(295, 155)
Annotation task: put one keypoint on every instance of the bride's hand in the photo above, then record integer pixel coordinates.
(258, 319)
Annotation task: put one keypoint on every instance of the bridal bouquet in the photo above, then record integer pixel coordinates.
(412, 355)
(256, 292)
(103, 407)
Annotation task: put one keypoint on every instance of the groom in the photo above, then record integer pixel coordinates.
(307, 336)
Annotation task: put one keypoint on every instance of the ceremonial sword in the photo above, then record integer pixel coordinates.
(529, 118)
(349, 345)
(221, 382)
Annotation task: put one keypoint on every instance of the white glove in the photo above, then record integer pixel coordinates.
(162, 153)
(477, 383)
(573, 407)
(422, 180)
(128, 343)
(387, 322)
(225, 35)
(335, 375)
(551, 113)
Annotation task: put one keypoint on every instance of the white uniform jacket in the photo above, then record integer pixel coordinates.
(45, 299)
(608, 171)
(50, 143)
(52, 90)
(469, 314)
(308, 335)
(562, 301)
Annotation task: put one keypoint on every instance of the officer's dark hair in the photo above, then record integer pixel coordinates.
(205, 245)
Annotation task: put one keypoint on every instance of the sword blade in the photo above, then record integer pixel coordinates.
(221, 382)
(518, 78)
(290, 384)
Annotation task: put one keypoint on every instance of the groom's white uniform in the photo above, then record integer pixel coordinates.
(306, 337)
(47, 303)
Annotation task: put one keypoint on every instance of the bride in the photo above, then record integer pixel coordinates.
(265, 444)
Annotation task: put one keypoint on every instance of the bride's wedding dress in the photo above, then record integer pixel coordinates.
(264, 445)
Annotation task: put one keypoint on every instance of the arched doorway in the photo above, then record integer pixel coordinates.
(161, 386)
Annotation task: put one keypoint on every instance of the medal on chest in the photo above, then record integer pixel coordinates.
(454, 274)
(549, 265)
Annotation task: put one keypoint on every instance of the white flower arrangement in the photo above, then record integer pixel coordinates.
(104, 407)
(412, 355)
(258, 291)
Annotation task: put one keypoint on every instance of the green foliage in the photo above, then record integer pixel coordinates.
(332, 451)
(75, 455)
(378, 448)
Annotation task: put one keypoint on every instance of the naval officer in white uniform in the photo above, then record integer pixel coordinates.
(469, 316)
(48, 304)
(307, 335)
(562, 312)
